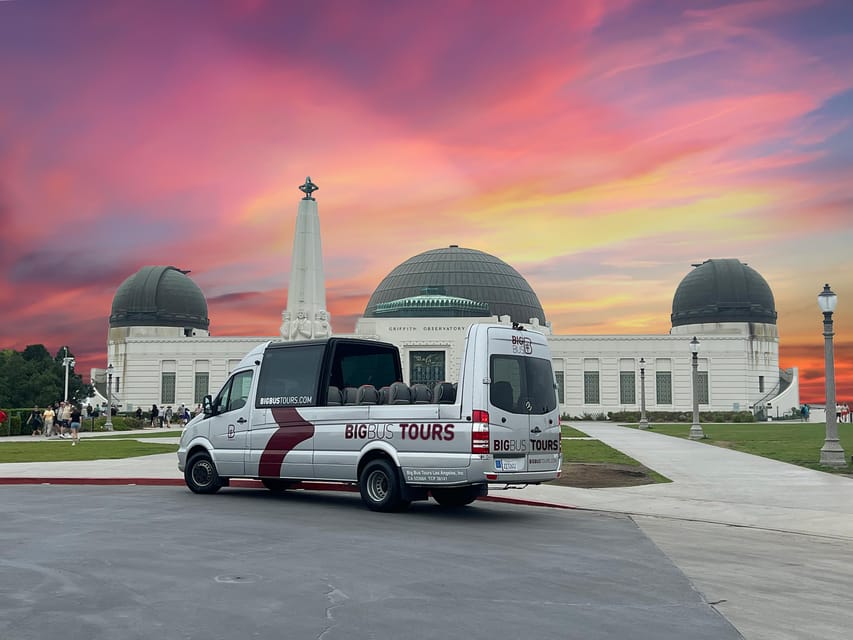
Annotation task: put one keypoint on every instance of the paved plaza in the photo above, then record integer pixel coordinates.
(766, 544)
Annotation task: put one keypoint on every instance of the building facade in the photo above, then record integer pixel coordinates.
(162, 352)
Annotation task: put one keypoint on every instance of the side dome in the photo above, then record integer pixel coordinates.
(456, 282)
(723, 290)
(159, 297)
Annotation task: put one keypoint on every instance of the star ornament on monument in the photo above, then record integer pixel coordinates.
(308, 188)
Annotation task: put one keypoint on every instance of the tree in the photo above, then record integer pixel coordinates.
(34, 377)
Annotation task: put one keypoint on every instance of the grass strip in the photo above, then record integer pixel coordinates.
(596, 452)
(152, 434)
(87, 449)
(571, 432)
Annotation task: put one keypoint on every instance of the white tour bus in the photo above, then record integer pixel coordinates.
(336, 410)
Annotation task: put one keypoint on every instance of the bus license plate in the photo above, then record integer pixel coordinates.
(509, 464)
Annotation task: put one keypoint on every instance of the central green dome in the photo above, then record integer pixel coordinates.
(460, 282)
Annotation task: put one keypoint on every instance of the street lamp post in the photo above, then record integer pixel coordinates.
(831, 454)
(696, 432)
(67, 362)
(108, 425)
(644, 423)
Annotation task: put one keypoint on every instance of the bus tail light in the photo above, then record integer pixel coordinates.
(480, 432)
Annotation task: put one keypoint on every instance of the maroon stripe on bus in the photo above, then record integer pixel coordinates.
(292, 429)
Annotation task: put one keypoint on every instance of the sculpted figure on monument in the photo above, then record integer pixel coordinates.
(284, 330)
(302, 328)
(321, 324)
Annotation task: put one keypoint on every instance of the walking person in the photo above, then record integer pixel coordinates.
(64, 419)
(35, 421)
(74, 425)
(168, 416)
(155, 412)
(48, 418)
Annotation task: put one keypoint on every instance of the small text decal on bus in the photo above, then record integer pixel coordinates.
(522, 344)
(278, 401)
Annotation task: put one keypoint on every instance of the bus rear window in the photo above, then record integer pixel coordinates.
(521, 384)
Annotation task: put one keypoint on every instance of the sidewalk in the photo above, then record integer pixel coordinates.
(157, 466)
(709, 484)
(716, 485)
(765, 542)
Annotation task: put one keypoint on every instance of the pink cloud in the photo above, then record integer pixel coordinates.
(556, 139)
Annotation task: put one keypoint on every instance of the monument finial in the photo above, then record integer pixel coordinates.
(308, 188)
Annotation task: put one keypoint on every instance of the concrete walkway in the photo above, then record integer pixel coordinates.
(156, 466)
(715, 485)
(709, 484)
(768, 543)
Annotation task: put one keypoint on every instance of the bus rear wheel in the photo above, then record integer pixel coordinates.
(380, 487)
(457, 496)
(276, 485)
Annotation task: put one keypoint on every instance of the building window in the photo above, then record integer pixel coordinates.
(426, 367)
(168, 369)
(202, 386)
(760, 384)
(117, 385)
(201, 381)
(627, 387)
(663, 387)
(702, 386)
(560, 378)
(591, 392)
(590, 388)
(167, 387)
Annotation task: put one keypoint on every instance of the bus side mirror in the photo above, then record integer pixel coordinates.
(207, 406)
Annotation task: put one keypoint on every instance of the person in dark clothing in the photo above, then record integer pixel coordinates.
(35, 421)
(76, 416)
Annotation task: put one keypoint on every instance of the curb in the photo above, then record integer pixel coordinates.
(243, 484)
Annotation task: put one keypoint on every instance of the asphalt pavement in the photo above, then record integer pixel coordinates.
(769, 544)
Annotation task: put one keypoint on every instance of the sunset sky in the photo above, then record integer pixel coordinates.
(598, 146)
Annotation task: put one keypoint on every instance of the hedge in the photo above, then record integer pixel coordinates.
(15, 424)
(667, 416)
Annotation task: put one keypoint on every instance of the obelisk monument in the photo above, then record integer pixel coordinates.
(306, 316)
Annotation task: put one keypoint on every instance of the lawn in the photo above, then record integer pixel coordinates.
(151, 434)
(595, 452)
(571, 432)
(794, 442)
(87, 449)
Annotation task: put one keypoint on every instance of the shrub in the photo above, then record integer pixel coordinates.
(677, 416)
(120, 423)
